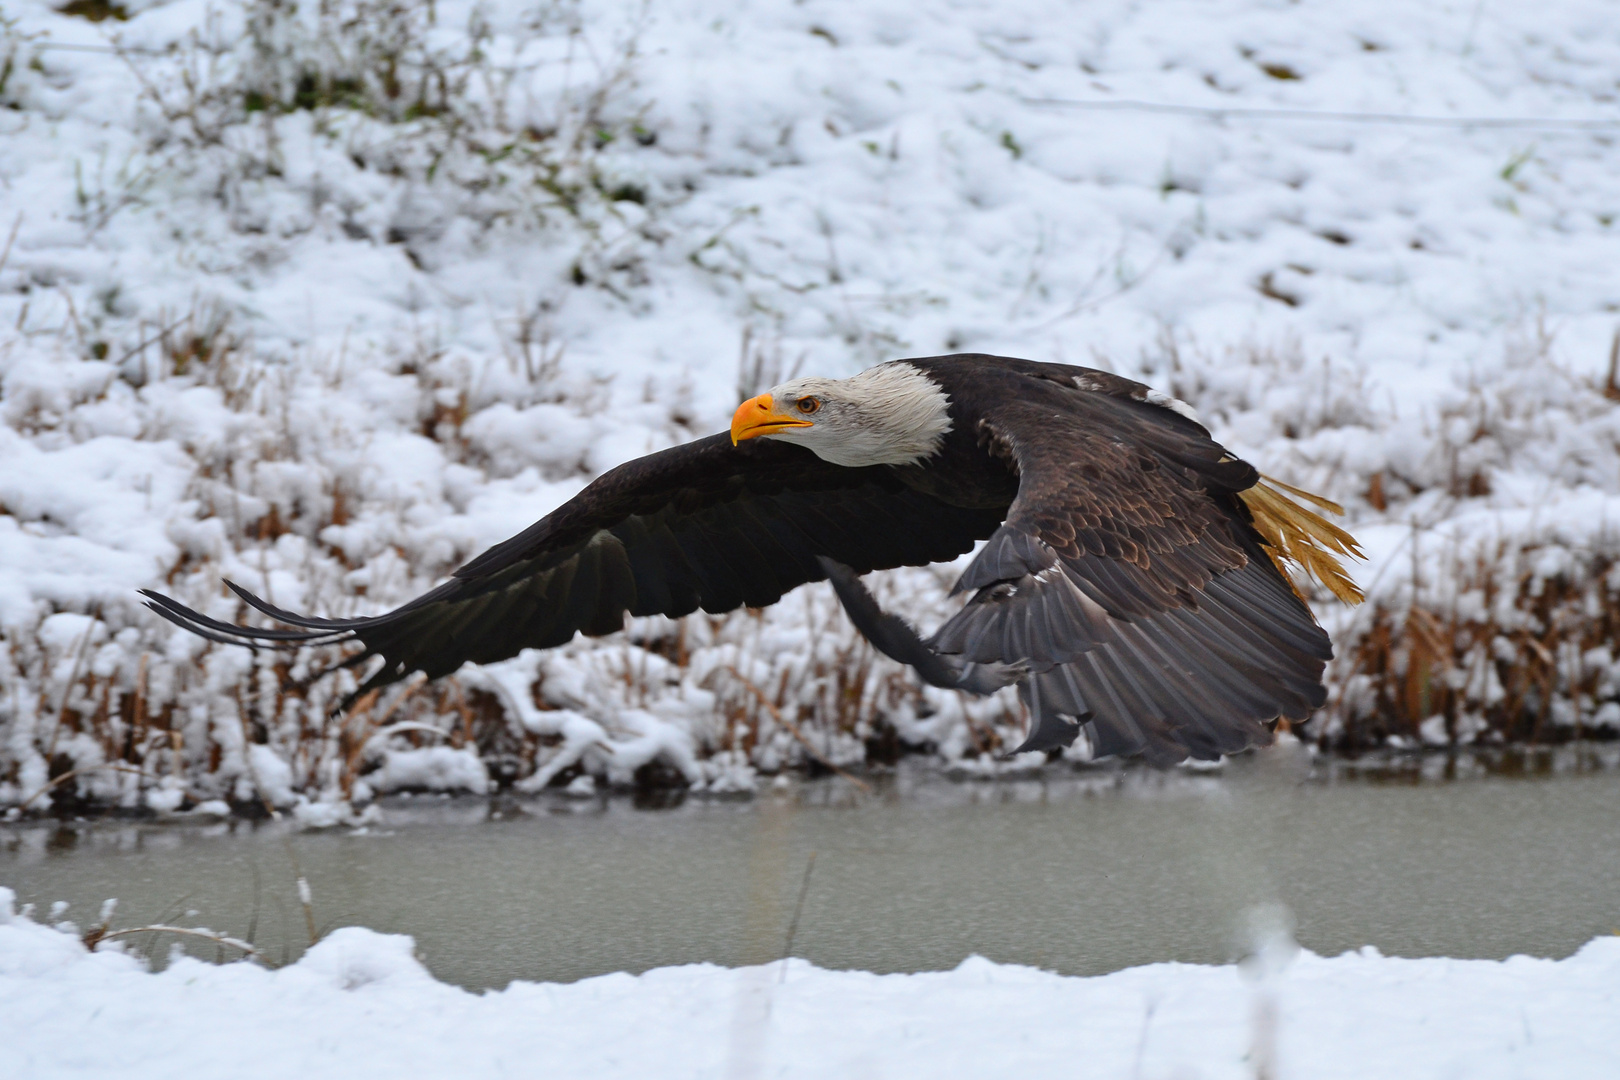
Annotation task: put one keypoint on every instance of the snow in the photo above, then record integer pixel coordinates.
(431, 768)
(361, 1004)
(330, 352)
(271, 776)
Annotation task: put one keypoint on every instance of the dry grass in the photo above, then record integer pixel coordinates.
(407, 97)
(1516, 656)
(1507, 643)
(1479, 645)
(1494, 622)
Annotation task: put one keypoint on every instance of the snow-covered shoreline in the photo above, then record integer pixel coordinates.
(327, 304)
(359, 1004)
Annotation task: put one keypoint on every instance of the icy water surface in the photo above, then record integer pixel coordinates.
(1076, 872)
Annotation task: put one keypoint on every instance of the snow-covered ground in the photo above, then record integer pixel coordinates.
(359, 1004)
(326, 298)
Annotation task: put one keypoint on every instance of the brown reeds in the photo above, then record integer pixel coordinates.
(1515, 656)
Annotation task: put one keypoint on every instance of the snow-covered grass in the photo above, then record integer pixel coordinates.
(327, 298)
(360, 1004)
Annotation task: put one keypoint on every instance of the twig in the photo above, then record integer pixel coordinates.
(138, 712)
(5, 255)
(73, 678)
(421, 680)
(1142, 1040)
(1611, 385)
(258, 889)
(116, 766)
(798, 908)
(409, 725)
(207, 935)
(306, 899)
(375, 727)
(73, 313)
(154, 339)
(1082, 304)
(793, 729)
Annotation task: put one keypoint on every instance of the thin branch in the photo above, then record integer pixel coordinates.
(78, 660)
(207, 935)
(116, 766)
(154, 339)
(5, 256)
(798, 909)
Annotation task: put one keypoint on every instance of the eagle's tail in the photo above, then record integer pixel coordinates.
(1296, 536)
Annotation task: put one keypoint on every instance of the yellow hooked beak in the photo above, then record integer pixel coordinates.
(759, 416)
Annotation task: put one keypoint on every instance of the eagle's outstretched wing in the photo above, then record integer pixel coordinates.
(707, 524)
(1130, 580)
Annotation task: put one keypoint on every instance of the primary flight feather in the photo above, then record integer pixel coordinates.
(1132, 581)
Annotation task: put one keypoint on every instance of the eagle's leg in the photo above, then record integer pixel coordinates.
(898, 640)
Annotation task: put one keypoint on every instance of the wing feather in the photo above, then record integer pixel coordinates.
(1129, 576)
(708, 524)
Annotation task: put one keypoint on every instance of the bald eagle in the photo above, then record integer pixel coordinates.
(1132, 581)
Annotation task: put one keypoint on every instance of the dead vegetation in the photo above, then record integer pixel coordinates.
(1478, 631)
(1493, 619)
(1463, 642)
(114, 739)
(389, 91)
(1520, 651)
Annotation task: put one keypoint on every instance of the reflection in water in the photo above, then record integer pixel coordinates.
(1080, 872)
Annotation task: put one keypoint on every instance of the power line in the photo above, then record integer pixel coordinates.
(1236, 113)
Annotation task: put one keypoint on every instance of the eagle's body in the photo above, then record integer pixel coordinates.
(1124, 584)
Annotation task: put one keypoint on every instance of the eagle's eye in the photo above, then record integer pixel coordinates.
(807, 405)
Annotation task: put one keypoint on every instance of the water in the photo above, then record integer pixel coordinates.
(1078, 873)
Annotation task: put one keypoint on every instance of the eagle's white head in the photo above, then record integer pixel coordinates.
(892, 414)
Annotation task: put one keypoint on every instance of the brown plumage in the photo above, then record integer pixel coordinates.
(1131, 581)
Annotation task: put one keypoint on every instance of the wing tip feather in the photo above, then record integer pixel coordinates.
(1295, 536)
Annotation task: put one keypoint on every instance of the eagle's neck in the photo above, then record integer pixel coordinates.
(904, 418)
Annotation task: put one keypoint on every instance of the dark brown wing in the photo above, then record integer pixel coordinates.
(707, 525)
(1128, 578)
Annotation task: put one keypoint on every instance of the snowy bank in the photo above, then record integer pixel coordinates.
(359, 1004)
(326, 298)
